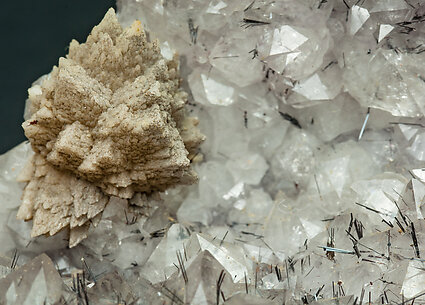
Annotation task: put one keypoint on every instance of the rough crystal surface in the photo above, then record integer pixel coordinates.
(109, 120)
(110, 113)
(312, 182)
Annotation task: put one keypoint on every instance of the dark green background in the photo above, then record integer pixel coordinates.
(34, 35)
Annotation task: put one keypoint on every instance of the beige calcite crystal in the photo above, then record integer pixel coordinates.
(54, 200)
(109, 120)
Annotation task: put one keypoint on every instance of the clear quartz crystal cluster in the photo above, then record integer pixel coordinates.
(312, 187)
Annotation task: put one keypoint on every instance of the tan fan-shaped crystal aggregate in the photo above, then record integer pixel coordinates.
(108, 120)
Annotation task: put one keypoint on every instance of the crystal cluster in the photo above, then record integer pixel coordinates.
(108, 120)
(312, 184)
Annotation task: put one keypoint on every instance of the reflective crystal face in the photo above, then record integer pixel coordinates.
(311, 179)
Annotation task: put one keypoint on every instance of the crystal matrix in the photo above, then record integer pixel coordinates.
(312, 185)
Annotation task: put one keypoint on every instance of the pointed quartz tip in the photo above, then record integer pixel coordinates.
(358, 16)
(38, 280)
(384, 30)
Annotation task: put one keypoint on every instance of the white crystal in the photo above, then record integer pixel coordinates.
(417, 149)
(215, 8)
(260, 254)
(408, 131)
(232, 258)
(235, 191)
(311, 228)
(254, 209)
(286, 39)
(280, 220)
(412, 284)
(380, 194)
(232, 51)
(160, 265)
(358, 16)
(384, 30)
(216, 92)
(336, 171)
(199, 297)
(374, 80)
(215, 180)
(419, 196)
(38, 293)
(419, 173)
(11, 294)
(192, 210)
(294, 162)
(312, 88)
(166, 51)
(291, 57)
(247, 168)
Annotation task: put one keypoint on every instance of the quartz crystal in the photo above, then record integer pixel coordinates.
(36, 282)
(357, 17)
(311, 176)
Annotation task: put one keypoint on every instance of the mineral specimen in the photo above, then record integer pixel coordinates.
(312, 189)
(108, 120)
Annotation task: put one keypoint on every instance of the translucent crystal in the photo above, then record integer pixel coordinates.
(248, 169)
(160, 265)
(215, 8)
(279, 220)
(312, 88)
(380, 195)
(202, 275)
(408, 131)
(106, 287)
(382, 88)
(419, 194)
(414, 276)
(357, 18)
(384, 30)
(293, 164)
(11, 294)
(38, 292)
(232, 51)
(254, 209)
(216, 92)
(286, 39)
(231, 257)
(389, 5)
(35, 282)
(12, 163)
(419, 173)
(319, 119)
(336, 172)
(235, 191)
(192, 211)
(416, 149)
(245, 299)
(292, 205)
